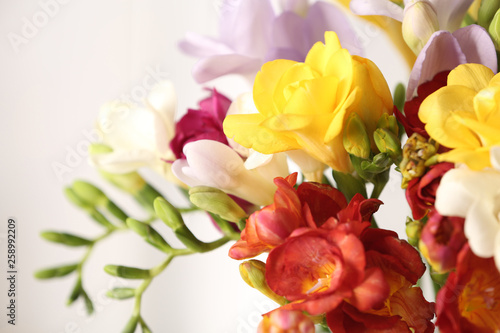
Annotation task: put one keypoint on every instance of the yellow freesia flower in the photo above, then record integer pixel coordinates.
(304, 105)
(465, 115)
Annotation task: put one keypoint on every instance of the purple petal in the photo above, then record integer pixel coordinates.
(450, 13)
(212, 67)
(201, 46)
(377, 7)
(323, 16)
(246, 26)
(284, 53)
(289, 32)
(296, 6)
(477, 46)
(442, 52)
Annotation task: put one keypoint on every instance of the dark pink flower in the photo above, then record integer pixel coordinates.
(201, 124)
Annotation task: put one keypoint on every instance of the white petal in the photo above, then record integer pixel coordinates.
(495, 157)
(163, 100)
(482, 228)
(256, 159)
(122, 161)
(311, 167)
(377, 7)
(125, 127)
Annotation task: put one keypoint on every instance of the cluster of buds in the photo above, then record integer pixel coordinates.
(372, 157)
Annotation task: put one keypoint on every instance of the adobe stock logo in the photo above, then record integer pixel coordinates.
(32, 26)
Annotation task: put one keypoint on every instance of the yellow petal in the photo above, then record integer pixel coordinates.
(487, 105)
(265, 83)
(320, 53)
(314, 96)
(477, 159)
(488, 133)
(246, 130)
(436, 111)
(290, 81)
(473, 76)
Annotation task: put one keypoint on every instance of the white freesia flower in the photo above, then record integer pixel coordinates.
(211, 163)
(139, 135)
(475, 195)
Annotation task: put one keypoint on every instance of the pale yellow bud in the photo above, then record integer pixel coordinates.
(419, 23)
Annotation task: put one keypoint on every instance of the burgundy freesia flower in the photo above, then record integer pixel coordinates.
(410, 120)
(441, 240)
(469, 302)
(421, 192)
(204, 123)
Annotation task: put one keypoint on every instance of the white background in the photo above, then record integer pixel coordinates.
(85, 54)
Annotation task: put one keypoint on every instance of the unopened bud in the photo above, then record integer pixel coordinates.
(56, 271)
(168, 213)
(419, 23)
(355, 139)
(217, 202)
(127, 272)
(253, 273)
(65, 239)
(121, 293)
(149, 234)
(388, 122)
(388, 143)
(89, 193)
(494, 30)
(487, 11)
(413, 231)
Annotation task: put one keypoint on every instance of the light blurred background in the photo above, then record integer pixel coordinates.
(53, 82)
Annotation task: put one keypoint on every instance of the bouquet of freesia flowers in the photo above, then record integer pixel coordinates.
(319, 107)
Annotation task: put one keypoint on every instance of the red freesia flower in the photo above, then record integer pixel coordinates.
(410, 120)
(441, 240)
(205, 123)
(469, 302)
(421, 192)
(311, 205)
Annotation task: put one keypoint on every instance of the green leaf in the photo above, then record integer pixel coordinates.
(54, 272)
(121, 293)
(127, 272)
(65, 238)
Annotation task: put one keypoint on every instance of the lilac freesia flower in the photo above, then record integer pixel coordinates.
(252, 33)
(205, 123)
(445, 51)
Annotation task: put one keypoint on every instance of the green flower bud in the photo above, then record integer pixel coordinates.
(413, 231)
(75, 199)
(253, 273)
(168, 213)
(53, 272)
(190, 241)
(75, 293)
(217, 202)
(487, 11)
(121, 293)
(380, 163)
(355, 137)
(494, 30)
(88, 302)
(389, 122)
(388, 143)
(419, 23)
(64, 238)
(127, 272)
(89, 193)
(149, 234)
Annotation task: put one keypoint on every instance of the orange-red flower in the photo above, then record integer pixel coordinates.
(284, 321)
(469, 302)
